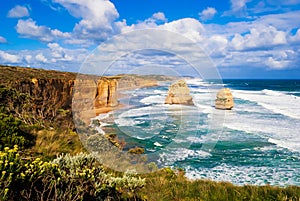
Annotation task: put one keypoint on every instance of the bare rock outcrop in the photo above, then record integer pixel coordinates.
(224, 100)
(179, 93)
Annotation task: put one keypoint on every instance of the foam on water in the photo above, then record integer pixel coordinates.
(101, 118)
(279, 130)
(241, 175)
(274, 101)
(168, 157)
(157, 144)
(155, 99)
(293, 146)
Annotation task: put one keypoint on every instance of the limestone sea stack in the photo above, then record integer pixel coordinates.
(179, 93)
(224, 100)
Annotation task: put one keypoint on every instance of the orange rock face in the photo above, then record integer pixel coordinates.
(224, 99)
(179, 93)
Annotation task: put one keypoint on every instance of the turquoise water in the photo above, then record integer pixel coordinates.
(258, 142)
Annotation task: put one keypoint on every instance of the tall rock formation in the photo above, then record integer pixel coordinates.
(107, 92)
(224, 100)
(92, 96)
(179, 93)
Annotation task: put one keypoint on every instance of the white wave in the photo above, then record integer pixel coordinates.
(200, 82)
(101, 118)
(160, 92)
(168, 157)
(293, 146)
(195, 81)
(267, 126)
(125, 122)
(100, 130)
(156, 99)
(240, 175)
(277, 102)
(157, 144)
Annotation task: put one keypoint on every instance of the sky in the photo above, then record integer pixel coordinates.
(243, 38)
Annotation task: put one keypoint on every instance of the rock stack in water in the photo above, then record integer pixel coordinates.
(179, 93)
(224, 100)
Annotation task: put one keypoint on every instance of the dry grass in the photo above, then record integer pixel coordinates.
(50, 143)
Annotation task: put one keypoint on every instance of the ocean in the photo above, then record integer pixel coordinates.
(257, 142)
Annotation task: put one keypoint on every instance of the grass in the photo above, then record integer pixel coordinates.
(167, 185)
(50, 143)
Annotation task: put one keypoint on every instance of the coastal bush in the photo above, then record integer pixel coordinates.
(11, 132)
(68, 177)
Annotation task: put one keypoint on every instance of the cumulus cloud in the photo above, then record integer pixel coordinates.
(3, 40)
(188, 27)
(41, 58)
(159, 16)
(97, 17)
(29, 29)
(208, 13)
(260, 37)
(9, 58)
(18, 12)
(58, 53)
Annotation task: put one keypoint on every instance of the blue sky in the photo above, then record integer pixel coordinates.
(244, 38)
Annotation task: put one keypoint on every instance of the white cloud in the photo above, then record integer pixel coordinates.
(28, 58)
(9, 58)
(97, 17)
(18, 12)
(280, 2)
(152, 22)
(58, 53)
(29, 29)
(238, 8)
(237, 5)
(159, 16)
(260, 37)
(188, 27)
(41, 58)
(276, 64)
(3, 40)
(288, 20)
(216, 45)
(208, 13)
(281, 59)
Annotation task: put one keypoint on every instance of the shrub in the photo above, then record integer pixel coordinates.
(11, 132)
(68, 177)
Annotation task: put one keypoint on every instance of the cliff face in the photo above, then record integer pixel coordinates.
(179, 93)
(92, 97)
(50, 93)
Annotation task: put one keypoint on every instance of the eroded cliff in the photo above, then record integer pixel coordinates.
(49, 94)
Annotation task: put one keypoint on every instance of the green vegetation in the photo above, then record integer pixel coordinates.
(78, 177)
(11, 132)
